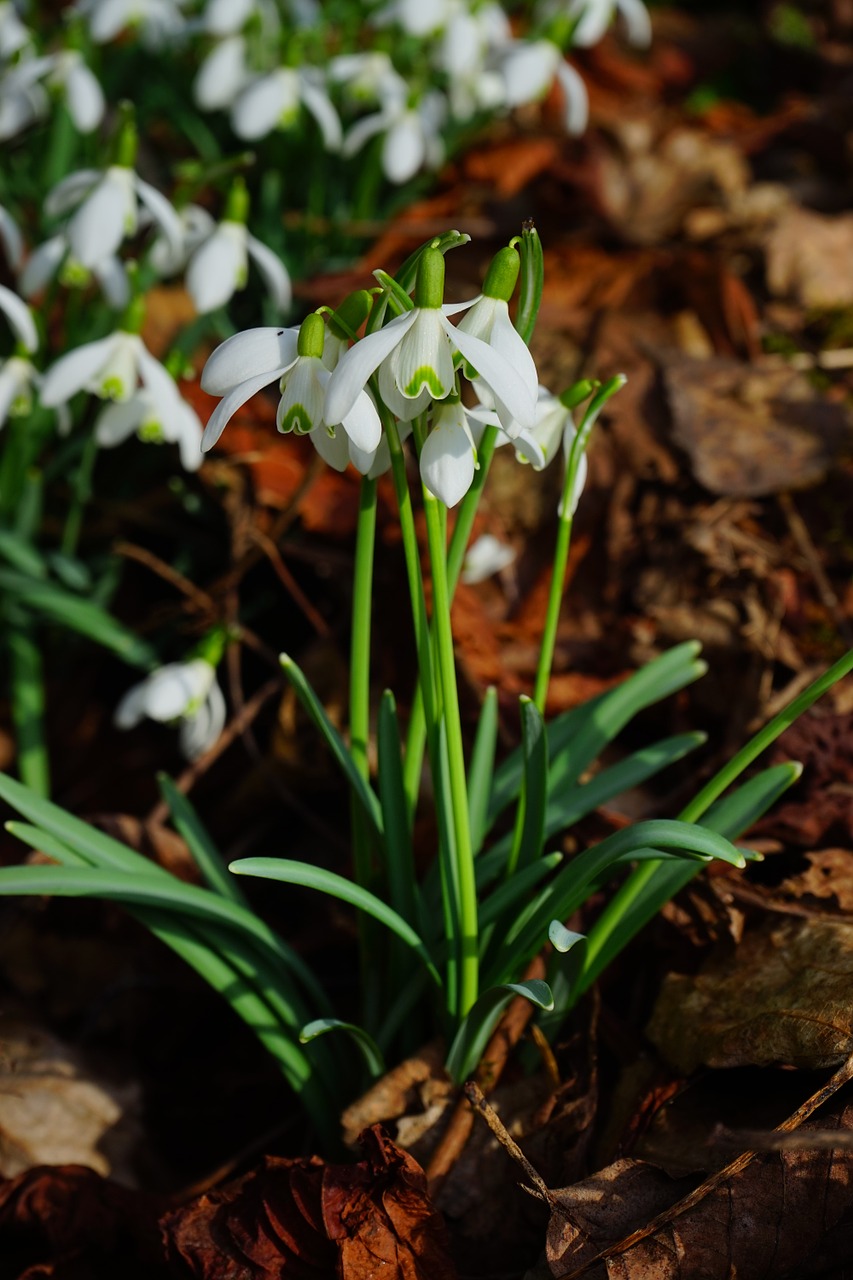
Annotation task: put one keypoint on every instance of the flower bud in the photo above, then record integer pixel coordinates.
(312, 337)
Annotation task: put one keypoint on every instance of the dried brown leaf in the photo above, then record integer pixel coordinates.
(786, 1214)
(781, 996)
(810, 256)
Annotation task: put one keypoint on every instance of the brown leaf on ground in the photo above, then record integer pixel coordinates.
(52, 1111)
(306, 1220)
(820, 809)
(781, 996)
(413, 1094)
(810, 257)
(510, 166)
(787, 1214)
(70, 1224)
(752, 430)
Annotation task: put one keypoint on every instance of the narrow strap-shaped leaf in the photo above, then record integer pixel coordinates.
(482, 767)
(564, 971)
(632, 911)
(476, 1028)
(28, 701)
(78, 614)
(22, 555)
(530, 821)
(576, 737)
(365, 1042)
(207, 857)
(311, 703)
(531, 283)
(302, 873)
(400, 862)
(509, 891)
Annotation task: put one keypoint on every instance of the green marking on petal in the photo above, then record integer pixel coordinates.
(423, 377)
(151, 432)
(74, 275)
(112, 388)
(21, 405)
(296, 419)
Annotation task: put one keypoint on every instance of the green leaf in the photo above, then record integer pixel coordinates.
(520, 883)
(302, 873)
(532, 280)
(530, 822)
(402, 881)
(202, 847)
(22, 555)
(366, 1043)
(577, 737)
(83, 616)
(564, 972)
(362, 791)
(482, 767)
(473, 1035)
(28, 703)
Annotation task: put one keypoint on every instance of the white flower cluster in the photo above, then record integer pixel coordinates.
(411, 369)
(418, 70)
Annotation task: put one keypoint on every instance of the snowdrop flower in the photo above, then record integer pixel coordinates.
(448, 458)
(594, 17)
(415, 357)
(273, 100)
(182, 692)
(365, 76)
(11, 239)
(55, 255)
(219, 266)
(488, 319)
(109, 206)
(14, 36)
(157, 21)
(553, 427)
(485, 557)
(413, 134)
(146, 399)
(223, 75)
(18, 377)
(23, 99)
(463, 55)
(20, 319)
(416, 17)
(84, 96)
(224, 17)
(249, 361)
(528, 68)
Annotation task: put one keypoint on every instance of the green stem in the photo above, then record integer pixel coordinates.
(28, 703)
(416, 737)
(552, 616)
(80, 496)
(359, 722)
(465, 879)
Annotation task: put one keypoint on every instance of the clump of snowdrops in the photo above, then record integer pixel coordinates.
(445, 950)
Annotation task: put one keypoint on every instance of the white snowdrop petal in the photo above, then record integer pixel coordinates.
(16, 376)
(529, 70)
(162, 212)
(485, 557)
(505, 383)
(85, 98)
(214, 271)
(425, 357)
(11, 239)
(265, 350)
(20, 318)
(131, 708)
(221, 75)
(359, 363)
(334, 450)
(70, 191)
(112, 277)
(638, 24)
(508, 343)
(362, 131)
(447, 463)
(98, 227)
(403, 151)
(236, 398)
(259, 108)
(576, 108)
(117, 421)
(75, 370)
(363, 426)
(273, 272)
(317, 101)
(301, 406)
(42, 265)
(171, 689)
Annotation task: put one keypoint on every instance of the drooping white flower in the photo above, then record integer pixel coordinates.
(223, 75)
(415, 356)
(145, 397)
(218, 267)
(466, 56)
(183, 692)
(84, 96)
(18, 377)
(11, 239)
(23, 99)
(413, 134)
(485, 557)
(595, 16)
(20, 318)
(157, 21)
(249, 361)
(273, 100)
(448, 458)
(14, 35)
(109, 206)
(528, 68)
(416, 17)
(55, 256)
(553, 427)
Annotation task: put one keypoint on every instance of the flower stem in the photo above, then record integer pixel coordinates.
(359, 723)
(82, 491)
(464, 879)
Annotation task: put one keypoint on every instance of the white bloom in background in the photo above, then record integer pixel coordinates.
(249, 361)
(485, 557)
(23, 99)
(595, 17)
(219, 266)
(55, 255)
(413, 134)
(84, 96)
(273, 101)
(146, 398)
(109, 206)
(528, 68)
(11, 239)
(416, 17)
(158, 21)
(465, 55)
(183, 692)
(553, 427)
(18, 377)
(224, 17)
(364, 77)
(223, 75)
(14, 36)
(20, 318)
